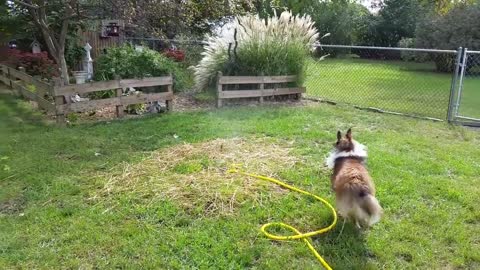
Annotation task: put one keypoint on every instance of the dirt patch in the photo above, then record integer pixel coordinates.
(195, 175)
(188, 102)
(13, 206)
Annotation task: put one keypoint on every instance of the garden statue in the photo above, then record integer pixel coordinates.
(88, 62)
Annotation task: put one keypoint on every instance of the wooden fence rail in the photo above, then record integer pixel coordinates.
(29, 87)
(261, 92)
(40, 91)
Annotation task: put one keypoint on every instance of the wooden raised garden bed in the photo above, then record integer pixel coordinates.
(264, 84)
(59, 94)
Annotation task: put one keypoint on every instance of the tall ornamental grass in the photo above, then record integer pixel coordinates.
(252, 46)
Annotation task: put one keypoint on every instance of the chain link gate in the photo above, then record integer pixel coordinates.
(464, 106)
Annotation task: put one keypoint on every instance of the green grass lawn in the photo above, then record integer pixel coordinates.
(412, 88)
(151, 193)
(470, 102)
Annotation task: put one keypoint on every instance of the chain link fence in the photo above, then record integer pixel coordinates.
(415, 82)
(418, 82)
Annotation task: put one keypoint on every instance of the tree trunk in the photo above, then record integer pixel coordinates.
(63, 67)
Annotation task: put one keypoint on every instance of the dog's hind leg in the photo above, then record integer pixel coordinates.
(341, 230)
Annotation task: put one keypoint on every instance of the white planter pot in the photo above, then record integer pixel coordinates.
(80, 76)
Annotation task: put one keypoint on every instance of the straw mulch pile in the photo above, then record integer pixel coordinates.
(194, 176)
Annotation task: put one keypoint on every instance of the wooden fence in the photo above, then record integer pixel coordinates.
(29, 87)
(262, 90)
(98, 43)
(59, 94)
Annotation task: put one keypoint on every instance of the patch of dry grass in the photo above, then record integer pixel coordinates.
(195, 175)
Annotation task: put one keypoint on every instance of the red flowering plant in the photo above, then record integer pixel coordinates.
(34, 63)
(175, 54)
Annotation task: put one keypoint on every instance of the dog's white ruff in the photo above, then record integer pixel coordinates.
(359, 150)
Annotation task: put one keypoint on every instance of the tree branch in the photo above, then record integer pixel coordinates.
(64, 29)
(43, 22)
(28, 5)
(38, 17)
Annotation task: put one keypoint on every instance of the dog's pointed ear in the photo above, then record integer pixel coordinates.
(349, 134)
(339, 135)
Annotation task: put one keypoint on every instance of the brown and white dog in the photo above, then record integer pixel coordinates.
(353, 186)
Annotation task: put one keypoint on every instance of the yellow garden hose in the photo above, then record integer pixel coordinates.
(298, 235)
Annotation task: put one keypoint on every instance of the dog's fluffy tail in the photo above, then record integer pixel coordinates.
(365, 208)
(372, 207)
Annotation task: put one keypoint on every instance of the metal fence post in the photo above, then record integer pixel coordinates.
(463, 67)
(451, 102)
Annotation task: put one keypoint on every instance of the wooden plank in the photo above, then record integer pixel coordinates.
(39, 85)
(23, 91)
(146, 82)
(144, 98)
(40, 89)
(119, 108)
(240, 79)
(59, 100)
(5, 79)
(262, 91)
(10, 78)
(91, 105)
(46, 105)
(256, 79)
(258, 93)
(279, 79)
(86, 87)
(219, 90)
(4, 74)
(169, 99)
(4, 70)
(114, 84)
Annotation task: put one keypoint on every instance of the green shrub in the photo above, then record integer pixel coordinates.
(411, 56)
(74, 53)
(128, 63)
(407, 43)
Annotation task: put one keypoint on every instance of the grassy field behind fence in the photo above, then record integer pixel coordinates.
(412, 88)
(152, 193)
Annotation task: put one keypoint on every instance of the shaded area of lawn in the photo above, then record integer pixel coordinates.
(51, 217)
(412, 88)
